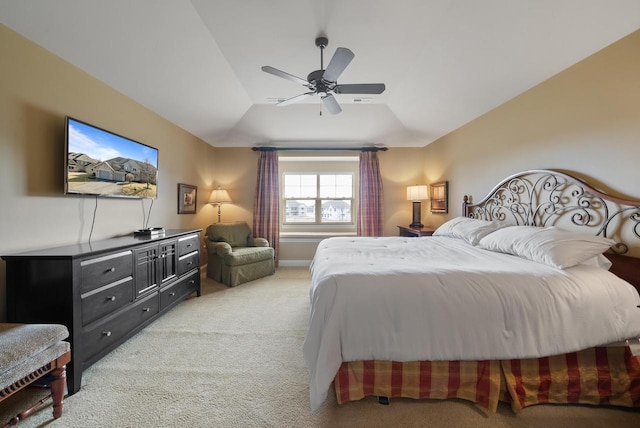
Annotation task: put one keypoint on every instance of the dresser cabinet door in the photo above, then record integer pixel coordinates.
(167, 261)
(146, 269)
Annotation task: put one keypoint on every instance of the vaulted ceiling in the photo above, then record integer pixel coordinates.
(444, 62)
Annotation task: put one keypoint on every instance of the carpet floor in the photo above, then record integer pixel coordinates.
(233, 358)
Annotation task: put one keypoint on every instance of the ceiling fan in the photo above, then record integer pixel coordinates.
(325, 82)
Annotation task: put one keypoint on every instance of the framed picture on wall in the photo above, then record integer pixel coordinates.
(439, 197)
(187, 198)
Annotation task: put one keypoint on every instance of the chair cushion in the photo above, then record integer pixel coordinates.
(245, 255)
(235, 234)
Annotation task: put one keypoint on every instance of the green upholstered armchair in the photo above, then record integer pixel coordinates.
(235, 256)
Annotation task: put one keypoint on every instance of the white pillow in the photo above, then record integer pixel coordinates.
(469, 229)
(600, 261)
(548, 245)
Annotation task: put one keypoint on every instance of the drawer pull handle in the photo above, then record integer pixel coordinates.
(145, 309)
(106, 333)
(193, 281)
(172, 294)
(111, 298)
(188, 245)
(110, 270)
(189, 264)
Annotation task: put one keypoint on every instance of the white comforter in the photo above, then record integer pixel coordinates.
(437, 298)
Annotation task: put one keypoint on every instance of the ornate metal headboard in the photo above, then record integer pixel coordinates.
(547, 197)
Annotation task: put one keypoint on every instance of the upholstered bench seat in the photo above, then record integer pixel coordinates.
(27, 353)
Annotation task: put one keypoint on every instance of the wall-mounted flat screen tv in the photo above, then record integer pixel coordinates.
(102, 163)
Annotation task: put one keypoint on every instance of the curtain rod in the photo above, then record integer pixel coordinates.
(359, 149)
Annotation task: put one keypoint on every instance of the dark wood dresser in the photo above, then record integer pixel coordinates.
(104, 291)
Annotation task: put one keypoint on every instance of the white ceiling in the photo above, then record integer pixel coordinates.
(444, 62)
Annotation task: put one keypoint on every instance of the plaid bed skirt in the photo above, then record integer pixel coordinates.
(597, 376)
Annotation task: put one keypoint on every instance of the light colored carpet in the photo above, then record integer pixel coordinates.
(233, 358)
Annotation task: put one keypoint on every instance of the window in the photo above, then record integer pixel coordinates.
(318, 194)
(318, 198)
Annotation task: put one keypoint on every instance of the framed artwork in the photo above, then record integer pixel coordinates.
(440, 197)
(187, 198)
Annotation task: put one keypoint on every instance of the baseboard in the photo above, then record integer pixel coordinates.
(294, 263)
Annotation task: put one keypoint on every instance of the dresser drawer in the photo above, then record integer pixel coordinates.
(188, 244)
(105, 270)
(103, 334)
(188, 262)
(102, 301)
(176, 291)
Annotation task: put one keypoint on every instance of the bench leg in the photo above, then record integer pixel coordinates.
(58, 383)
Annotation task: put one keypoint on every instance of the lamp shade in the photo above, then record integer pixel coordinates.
(417, 193)
(219, 196)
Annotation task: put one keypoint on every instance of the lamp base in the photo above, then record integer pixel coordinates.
(416, 216)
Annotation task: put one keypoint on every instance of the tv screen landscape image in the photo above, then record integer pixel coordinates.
(101, 163)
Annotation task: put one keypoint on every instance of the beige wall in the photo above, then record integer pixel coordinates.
(585, 120)
(235, 169)
(401, 167)
(37, 90)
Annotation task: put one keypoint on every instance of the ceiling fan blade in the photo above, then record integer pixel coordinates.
(360, 88)
(331, 104)
(280, 73)
(338, 63)
(295, 99)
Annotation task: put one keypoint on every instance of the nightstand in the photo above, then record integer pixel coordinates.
(415, 232)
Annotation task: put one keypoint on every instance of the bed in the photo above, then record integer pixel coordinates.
(512, 301)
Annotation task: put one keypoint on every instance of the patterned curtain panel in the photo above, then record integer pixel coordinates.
(370, 196)
(266, 206)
